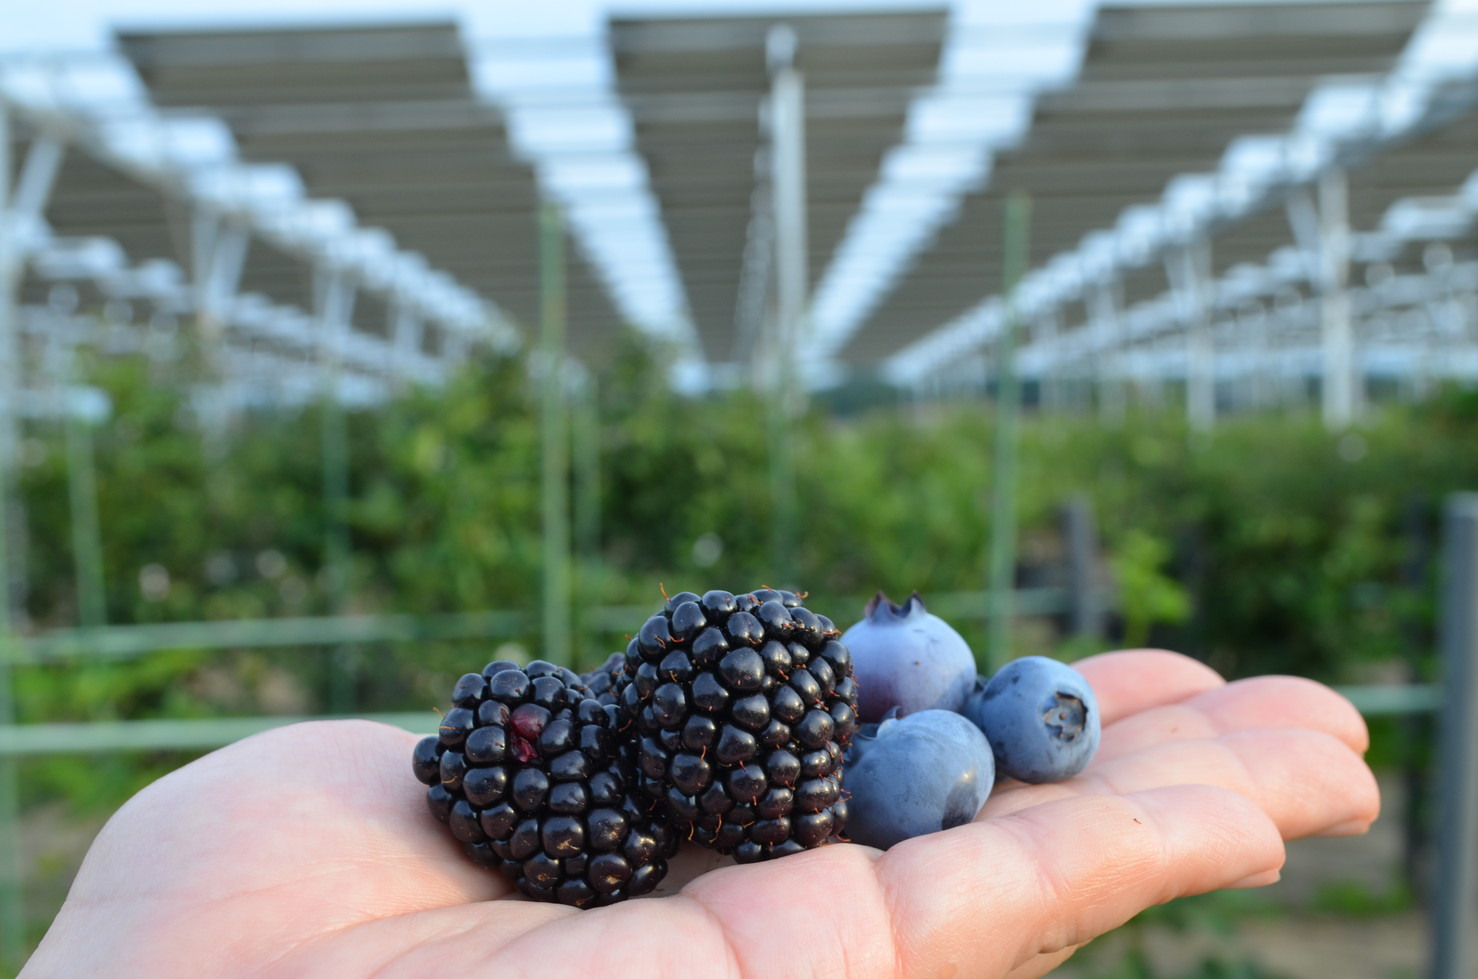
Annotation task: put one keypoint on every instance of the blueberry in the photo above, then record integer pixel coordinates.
(912, 775)
(1041, 718)
(905, 657)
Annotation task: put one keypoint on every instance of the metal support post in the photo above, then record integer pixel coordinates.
(1189, 269)
(1049, 386)
(1257, 342)
(1341, 388)
(787, 117)
(554, 437)
(756, 273)
(586, 449)
(1002, 567)
(1455, 908)
(12, 907)
(36, 179)
(1321, 227)
(87, 552)
(1086, 609)
(1104, 303)
(454, 347)
(87, 548)
(333, 301)
(406, 336)
(217, 258)
(205, 226)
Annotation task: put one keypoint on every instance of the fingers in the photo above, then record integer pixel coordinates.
(1092, 863)
(983, 899)
(1308, 782)
(1267, 701)
(1134, 680)
(986, 898)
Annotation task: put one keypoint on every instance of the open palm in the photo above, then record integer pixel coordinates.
(308, 850)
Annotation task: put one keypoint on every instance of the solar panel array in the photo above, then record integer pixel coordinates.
(388, 120)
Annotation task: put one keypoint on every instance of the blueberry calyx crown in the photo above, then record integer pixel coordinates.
(881, 610)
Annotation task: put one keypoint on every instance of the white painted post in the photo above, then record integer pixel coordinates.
(788, 173)
(1189, 268)
(1105, 303)
(1341, 387)
(788, 170)
(1049, 385)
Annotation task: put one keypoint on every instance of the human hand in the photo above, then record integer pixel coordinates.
(307, 850)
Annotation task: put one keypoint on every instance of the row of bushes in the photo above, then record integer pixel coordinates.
(1271, 545)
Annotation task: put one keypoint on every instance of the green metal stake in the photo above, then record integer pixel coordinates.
(12, 904)
(554, 445)
(335, 447)
(587, 499)
(87, 547)
(784, 520)
(333, 306)
(1008, 397)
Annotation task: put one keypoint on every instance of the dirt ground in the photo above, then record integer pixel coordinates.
(1287, 931)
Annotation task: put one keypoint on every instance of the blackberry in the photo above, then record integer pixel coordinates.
(530, 774)
(604, 682)
(741, 706)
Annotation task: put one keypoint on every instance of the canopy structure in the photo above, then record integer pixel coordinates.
(1162, 91)
(698, 91)
(1215, 187)
(383, 118)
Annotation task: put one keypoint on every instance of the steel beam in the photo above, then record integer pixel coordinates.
(37, 178)
(787, 125)
(788, 170)
(1341, 384)
(1455, 904)
(1105, 305)
(554, 447)
(1049, 379)
(333, 306)
(12, 905)
(1189, 269)
(1001, 561)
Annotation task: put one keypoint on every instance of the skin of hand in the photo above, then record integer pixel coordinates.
(308, 851)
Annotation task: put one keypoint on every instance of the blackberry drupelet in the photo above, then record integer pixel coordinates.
(530, 774)
(604, 682)
(741, 706)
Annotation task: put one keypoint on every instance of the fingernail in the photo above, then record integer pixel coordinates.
(1354, 827)
(1257, 880)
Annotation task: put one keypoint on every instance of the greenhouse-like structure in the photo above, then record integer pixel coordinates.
(340, 346)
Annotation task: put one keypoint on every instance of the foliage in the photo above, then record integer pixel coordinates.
(1354, 899)
(1146, 595)
(1270, 546)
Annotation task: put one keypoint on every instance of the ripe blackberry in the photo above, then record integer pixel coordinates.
(604, 682)
(530, 774)
(741, 706)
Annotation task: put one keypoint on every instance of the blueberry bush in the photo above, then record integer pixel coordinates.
(1270, 546)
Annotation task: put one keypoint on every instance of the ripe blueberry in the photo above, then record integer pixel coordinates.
(1040, 717)
(906, 657)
